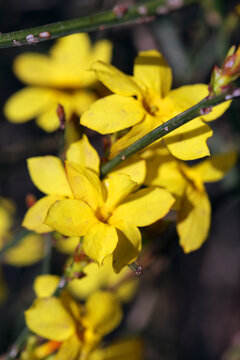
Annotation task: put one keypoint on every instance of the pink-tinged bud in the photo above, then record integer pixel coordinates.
(221, 79)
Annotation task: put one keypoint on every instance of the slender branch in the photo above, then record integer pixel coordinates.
(120, 14)
(169, 126)
(16, 239)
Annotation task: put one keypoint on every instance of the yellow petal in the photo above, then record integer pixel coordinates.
(216, 167)
(103, 277)
(128, 246)
(115, 80)
(151, 68)
(28, 103)
(47, 173)
(189, 95)
(129, 349)
(72, 49)
(113, 113)
(96, 278)
(103, 312)
(102, 50)
(155, 202)
(48, 318)
(81, 100)
(191, 176)
(189, 142)
(84, 154)
(73, 308)
(85, 184)
(69, 349)
(163, 171)
(30, 250)
(135, 167)
(100, 241)
(45, 285)
(48, 120)
(67, 245)
(118, 187)
(64, 68)
(36, 215)
(216, 111)
(34, 69)
(193, 219)
(70, 217)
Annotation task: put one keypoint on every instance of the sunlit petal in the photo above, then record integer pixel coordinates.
(100, 241)
(70, 217)
(113, 113)
(156, 203)
(47, 173)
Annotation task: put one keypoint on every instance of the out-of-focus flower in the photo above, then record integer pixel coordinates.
(95, 278)
(187, 185)
(127, 349)
(123, 284)
(144, 101)
(60, 78)
(29, 250)
(76, 329)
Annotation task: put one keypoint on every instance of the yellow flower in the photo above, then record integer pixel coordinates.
(61, 78)
(106, 214)
(127, 349)
(144, 101)
(187, 185)
(77, 329)
(29, 250)
(48, 174)
(96, 278)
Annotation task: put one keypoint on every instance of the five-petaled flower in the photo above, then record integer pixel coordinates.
(106, 213)
(144, 101)
(61, 78)
(74, 330)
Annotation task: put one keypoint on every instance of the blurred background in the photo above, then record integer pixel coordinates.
(187, 306)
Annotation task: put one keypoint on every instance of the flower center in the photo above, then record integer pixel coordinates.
(103, 214)
(157, 106)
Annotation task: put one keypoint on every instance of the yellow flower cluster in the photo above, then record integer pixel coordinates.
(103, 215)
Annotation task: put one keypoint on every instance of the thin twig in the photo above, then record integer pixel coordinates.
(120, 14)
(169, 126)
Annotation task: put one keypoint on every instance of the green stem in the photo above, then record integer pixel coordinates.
(114, 17)
(168, 127)
(16, 239)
